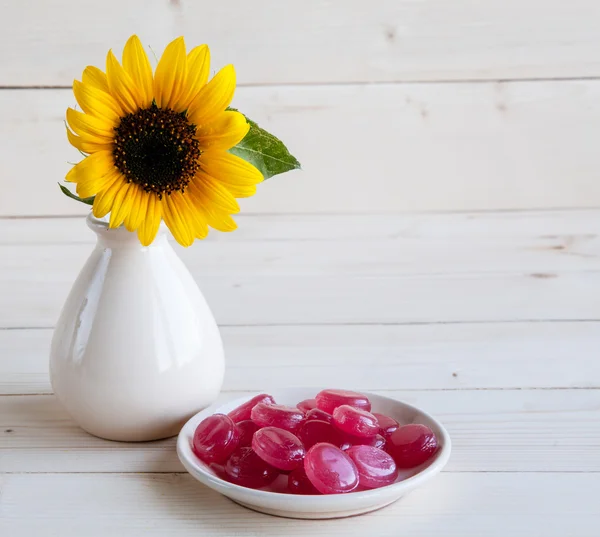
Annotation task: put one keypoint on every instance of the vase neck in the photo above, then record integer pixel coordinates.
(120, 237)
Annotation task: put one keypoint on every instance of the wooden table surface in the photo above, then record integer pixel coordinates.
(490, 321)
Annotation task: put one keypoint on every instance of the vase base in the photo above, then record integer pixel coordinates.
(145, 435)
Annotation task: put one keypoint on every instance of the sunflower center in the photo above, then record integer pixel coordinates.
(156, 149)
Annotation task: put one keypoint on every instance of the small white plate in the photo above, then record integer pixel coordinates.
(273, 502)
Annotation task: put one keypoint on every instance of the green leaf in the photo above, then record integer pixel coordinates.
(265, 151)
(68, 193)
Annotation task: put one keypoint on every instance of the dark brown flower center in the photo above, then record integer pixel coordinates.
(156, 149)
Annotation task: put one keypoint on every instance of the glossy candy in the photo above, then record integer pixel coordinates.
(348, 441)
(412, 445)
(243, 411)
(278, 447)
(280, 416)
(355, 421)
(312, 432)
(246, 430)
(215, 438)
(317, 414)
(387, 425)
(329, 400)
(375, 467)
(298, 482)
(330, 470)
(247, 469)
(306, 405)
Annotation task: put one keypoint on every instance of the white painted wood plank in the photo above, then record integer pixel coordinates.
(390, 147)
(417, 271)
(454, 505)
(572, 230)
(270, 42)
(491, 430)
(435, 356)
(32, 296)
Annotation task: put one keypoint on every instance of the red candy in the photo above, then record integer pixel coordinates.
(247, 469)
(375, 467)
(298, 482)
(278, 447)
(412, 445)
(387, 425)
(306, 405)
(243, 412)
(317, 414)
(356, 422)
(246, 430)
(215, 438)
(330, 470)
(280, 416)
(348, 441)
(312, 432)
(329, 400)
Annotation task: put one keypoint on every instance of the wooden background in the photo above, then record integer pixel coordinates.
(440, 245)
(390, 105)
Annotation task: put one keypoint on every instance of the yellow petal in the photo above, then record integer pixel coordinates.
(92, 76)
(96, 165)
(138, 209)
(122, 204)
(87, 144)
(196, 219)
(225, 131)
(104, 199)
(176, 220)
(135, 62)
(237, 175)
(84, 124)
(214, 193)
(215, 218)
(171, 72)
(213, 98)
(97, 103)
(149, 226)
(121, 85)
(91, 185)
(198, 67)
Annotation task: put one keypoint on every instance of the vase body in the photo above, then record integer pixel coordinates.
(136, 350)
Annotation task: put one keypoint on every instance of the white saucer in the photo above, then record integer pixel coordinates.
(277, 503)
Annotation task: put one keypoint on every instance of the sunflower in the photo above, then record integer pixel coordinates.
(157, 145)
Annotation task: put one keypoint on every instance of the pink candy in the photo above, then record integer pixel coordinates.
(317, 414)
(306, 405)
(331, 444)
(215, 438)
(329, 400)
(387, 425)
(278, 447)
(246, 430)
(298, 482)
(244, 411)
(281, 416)
(247, 469)
(375, 467)
(412, 445)
(355, 421)
(330, 470)
(312, 432)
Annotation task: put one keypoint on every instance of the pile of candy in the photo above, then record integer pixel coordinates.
(327, 445)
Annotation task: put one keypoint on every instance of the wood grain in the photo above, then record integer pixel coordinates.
(516, 275)
(471, 505)
(389, 147)
(491, 430)
(407, 357)
(309, 41)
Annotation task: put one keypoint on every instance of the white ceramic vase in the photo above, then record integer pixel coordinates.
(136, 350)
